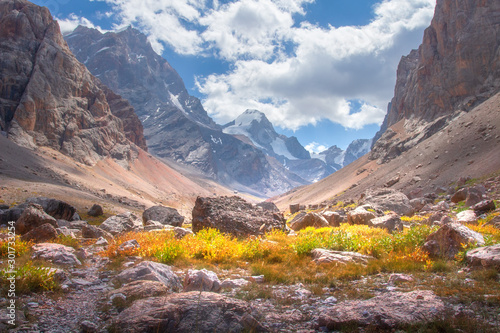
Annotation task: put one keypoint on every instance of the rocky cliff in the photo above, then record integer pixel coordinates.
(176, 126)
(48, 98)
(456, 68)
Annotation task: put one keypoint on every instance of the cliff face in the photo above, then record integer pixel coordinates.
(48, 98)
(456, 68)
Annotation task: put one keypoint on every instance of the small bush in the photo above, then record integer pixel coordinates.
(30, 278)
(20, 247)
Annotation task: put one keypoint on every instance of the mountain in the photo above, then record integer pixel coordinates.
(456, 68)
(443, 122)
(176, 126)
(48, 98)
(253, 127)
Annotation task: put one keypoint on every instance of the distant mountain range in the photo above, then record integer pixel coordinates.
(246, 154)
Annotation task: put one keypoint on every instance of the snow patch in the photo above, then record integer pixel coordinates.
(279, 148)
(103, 49)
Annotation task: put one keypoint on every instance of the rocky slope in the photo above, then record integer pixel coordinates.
(456, 68)
(50, 99)
(175, 124)
(443, 121)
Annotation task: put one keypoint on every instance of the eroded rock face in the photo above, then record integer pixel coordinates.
(48, 97)
(188, 312)
(388, 311)
(455, 68)
(387, 199)
(234, 216)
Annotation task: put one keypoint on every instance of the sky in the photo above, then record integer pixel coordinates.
(321, 70)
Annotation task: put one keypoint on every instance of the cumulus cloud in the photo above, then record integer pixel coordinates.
(296, 74)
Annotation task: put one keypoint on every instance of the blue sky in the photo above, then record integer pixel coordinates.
(322, 70)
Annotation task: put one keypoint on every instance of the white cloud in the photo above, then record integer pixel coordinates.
(69, 24)
(315, 148)
(328, 65)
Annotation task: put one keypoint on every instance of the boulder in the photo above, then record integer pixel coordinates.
(91, 231)
(32, 217)
(334, 218)
(467, 216)
(141, 289)
(385, 312)
(418, 204)
(234, 283)
(95, 210)
(151, 271)
(56, 208)
(201, 280)
(308, 220)
(322, 256)
(390, 222)
(128, 246)
(450, 239)
(122, 223)
(164, 215)
(459, 195)
(56, 253)
(40, 234)
(360, 216)
(234, 216)
(188, 312)
(484, 207)
(388, 199)
(474, 196)
(487, 257)
(294, 208)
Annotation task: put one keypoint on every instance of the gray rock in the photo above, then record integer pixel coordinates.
(151, 271)
(234, 283)
(487, 257)
(164, 215)
(388, 199)
(201, 280)
(188, 312)
(234, 216)
(122, 223)
(128, 246)
(141, 289)
(467, 216)
(388, 311)
(323, 256)
(334, 219)
(390, 222)
(56, 253)
(91, 231)
(56, 208)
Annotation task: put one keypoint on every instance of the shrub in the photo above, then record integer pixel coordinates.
(30, 278)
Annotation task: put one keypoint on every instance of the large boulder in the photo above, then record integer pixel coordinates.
(201, 280)
(450, 239)
(40, 234)
(487, 257)
(141, 289)
(58, 254)
(33, 217)
(360, 216)
(234, 216)
(151, 271)
(188, 312)
(459, 195)
(56, 208)
(164, 215)
(334, 218)
(388, 199)
(323, 256)
(385, 312)
(122, 223)
(303, 221)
